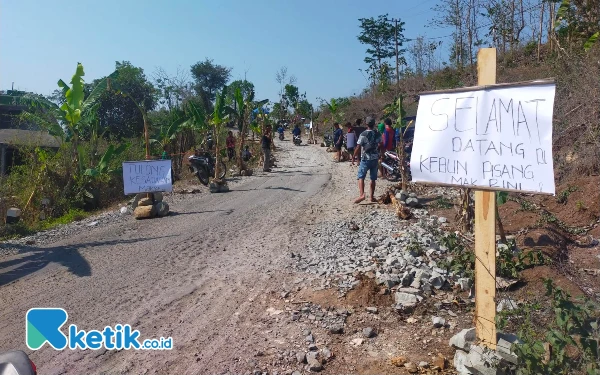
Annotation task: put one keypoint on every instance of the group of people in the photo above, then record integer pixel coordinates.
(368, 148)
(296, 131)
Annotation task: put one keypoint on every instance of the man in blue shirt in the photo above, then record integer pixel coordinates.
(296, 131)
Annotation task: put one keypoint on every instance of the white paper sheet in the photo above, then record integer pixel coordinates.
(147, 176)
(498, 138)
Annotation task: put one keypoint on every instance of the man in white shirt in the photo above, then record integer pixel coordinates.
(350, 141)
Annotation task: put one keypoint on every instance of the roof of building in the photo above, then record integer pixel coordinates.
(18, 137)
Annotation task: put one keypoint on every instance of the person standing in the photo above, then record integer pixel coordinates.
(266, 148)
(230, 143)
(388, 141)
(338, 138)
(389, 136)
(369, 145)
(381, 127)
(350, 141)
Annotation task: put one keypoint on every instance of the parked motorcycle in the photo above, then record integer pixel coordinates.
(391, 166)
(16, 362)
(297, 140)
(202, 165)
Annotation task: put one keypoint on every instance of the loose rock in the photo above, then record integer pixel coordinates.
(438, 322)
(464, 339)
(301, 357)
(313, 362)
(411, 367)
(369, 332)
(162, 209)
(399, 361)
(145, 202)
(144, 212)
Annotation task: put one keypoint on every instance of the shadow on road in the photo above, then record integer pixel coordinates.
(272, 188)
(37, 258)
(226, 212)
(284, 188)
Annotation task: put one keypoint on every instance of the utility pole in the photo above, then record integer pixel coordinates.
(397, 64)
(395, 21)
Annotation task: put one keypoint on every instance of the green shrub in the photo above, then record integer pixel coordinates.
(568, 344)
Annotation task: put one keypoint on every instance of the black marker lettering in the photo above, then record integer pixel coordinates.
(522, 120)
(439, 114)
(457, 108)
(455, 147)
(508, 109)
(536, 116)
(491, 118)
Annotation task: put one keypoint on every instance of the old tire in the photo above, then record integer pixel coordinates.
(202, 175)
(223, 170)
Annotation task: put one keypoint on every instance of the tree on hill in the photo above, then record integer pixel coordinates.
(209, 78)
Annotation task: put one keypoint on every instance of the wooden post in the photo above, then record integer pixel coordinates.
(485, 232)
(146, 136)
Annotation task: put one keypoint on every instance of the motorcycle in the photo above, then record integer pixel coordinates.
(281, 136)
(391, 165)
(202, 165)
(16, 362)
(297, 140)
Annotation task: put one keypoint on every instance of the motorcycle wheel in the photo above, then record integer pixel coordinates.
(392, 177)
(223, 170)
(201, 174)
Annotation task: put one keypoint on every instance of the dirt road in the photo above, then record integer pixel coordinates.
(197, 275)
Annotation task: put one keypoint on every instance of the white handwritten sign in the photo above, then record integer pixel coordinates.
(147, 176)
(497, 138)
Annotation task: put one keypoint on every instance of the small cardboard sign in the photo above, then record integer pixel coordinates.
(147, 176)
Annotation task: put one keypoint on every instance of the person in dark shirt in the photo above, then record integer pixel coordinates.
(297, 130)
(266, 147)
(338, 140)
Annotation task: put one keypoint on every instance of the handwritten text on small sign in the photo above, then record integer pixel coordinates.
(496, 137)
(147, 176)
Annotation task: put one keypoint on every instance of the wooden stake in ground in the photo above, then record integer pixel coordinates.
(485, 232)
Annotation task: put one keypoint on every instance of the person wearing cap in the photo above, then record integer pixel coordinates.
(369, 146)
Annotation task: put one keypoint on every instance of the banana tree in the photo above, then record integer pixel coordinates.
(74, 117)
(104, 165)
(167, 133)
(218, 118)
(242, 114)
(398, 108)
(334, 108)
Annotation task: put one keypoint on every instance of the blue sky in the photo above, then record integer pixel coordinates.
(42, 41)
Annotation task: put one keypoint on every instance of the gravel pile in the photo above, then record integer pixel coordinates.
(331, 319)
(402, 256)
